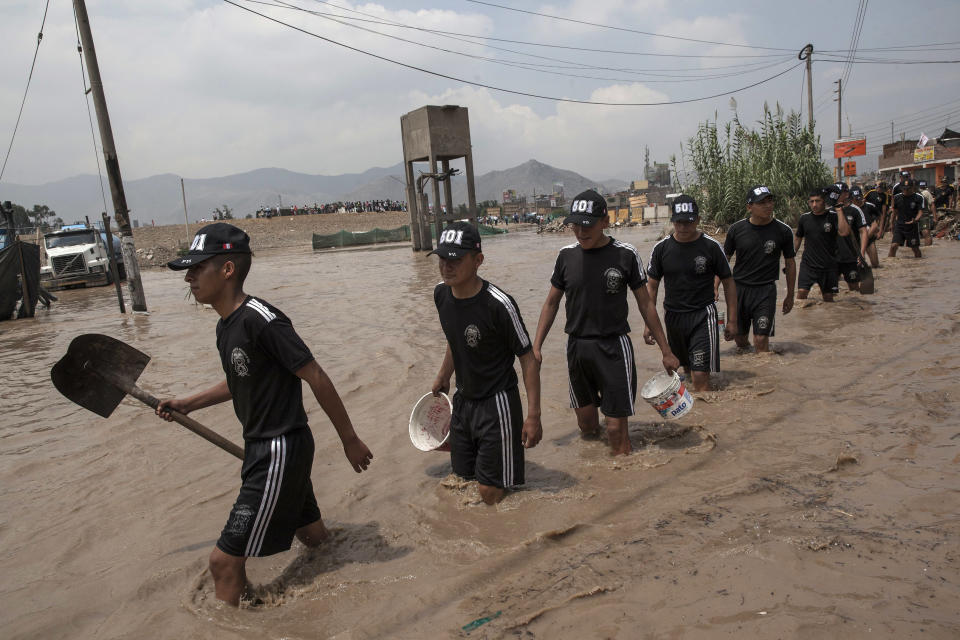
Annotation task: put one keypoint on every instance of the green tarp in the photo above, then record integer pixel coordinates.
(379, 236)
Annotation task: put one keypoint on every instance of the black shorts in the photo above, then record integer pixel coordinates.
(756, 309)
(849, 272)
(485, 439)
(276, 497)
(602, 373)
(826, 279)
(694, 338)
(906, 235)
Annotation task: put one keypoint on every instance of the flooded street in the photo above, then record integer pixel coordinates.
(815, 494)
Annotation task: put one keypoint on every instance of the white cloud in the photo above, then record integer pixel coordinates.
(201, 88)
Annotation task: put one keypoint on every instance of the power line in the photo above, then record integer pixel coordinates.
(933, 46)
(931, 118)
(519, 64)
(26, 90)
(501, 89)
(862, 61)
(855, 40)
(939, 106)
(461, 37)
(626, 29)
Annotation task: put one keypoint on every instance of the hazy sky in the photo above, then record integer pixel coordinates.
(201, 88)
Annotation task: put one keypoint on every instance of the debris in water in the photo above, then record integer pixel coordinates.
(479, 622)
(843, 460)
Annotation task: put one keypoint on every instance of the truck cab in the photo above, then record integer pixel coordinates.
(77, 256)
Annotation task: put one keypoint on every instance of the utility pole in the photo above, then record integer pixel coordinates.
(839, 125)
(186, 221)
(807, 54)
(891, 133)
(139, 302)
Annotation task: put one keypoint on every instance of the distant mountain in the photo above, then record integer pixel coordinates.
(528, 178)
(158, 198)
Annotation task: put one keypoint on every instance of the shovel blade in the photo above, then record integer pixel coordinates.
(76, 373)
(866, 281)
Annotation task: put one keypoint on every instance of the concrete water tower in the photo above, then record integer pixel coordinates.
(435, 134)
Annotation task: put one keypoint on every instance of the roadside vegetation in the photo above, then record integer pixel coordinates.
(724, 161)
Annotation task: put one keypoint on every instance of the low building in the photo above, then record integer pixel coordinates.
(937, 159)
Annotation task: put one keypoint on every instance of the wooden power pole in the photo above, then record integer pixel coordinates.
(807, 54)
(138, 301)
(839, 126)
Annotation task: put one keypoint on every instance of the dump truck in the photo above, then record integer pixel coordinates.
(77, 256)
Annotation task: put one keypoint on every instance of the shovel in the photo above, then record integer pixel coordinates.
(864, 272)
(98, 371)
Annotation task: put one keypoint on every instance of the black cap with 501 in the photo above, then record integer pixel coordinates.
(758, 193)
(587, 209)
(683, 208)
(211, 240)
(456, 240)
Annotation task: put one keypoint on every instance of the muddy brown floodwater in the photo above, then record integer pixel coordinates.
(815, 494)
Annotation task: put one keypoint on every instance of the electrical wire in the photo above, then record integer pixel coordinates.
(886, 121)
(626, 29)
(519, 64)
(464, 38)
(860, 61)
(501, 89)
(855, 40)
(86, 98)
(26, 90)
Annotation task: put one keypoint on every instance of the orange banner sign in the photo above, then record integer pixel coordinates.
(850, 168)
(850, 148)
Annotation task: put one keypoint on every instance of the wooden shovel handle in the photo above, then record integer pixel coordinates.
(188, 422)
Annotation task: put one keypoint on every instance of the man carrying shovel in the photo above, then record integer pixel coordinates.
(264, 361)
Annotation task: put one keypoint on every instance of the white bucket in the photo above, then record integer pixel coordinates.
(668, 394)
(430, 422)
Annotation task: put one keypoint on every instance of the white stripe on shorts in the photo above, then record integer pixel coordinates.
(271, 493)
(573, 397)
(628, 364)
(713, 331)
(506, 444)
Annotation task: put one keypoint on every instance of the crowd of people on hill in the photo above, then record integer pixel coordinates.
(358, 206)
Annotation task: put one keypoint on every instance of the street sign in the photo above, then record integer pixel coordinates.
(850, 168)
(850, 148)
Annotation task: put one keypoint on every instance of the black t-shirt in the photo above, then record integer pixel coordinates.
(687, 270)
(857, 220)
(820, 239)
(260, 353)
(484, 332)
(897, 189)
(595, 284)
(871, 210)
(943, 196)
(758, 249)
(907, 208)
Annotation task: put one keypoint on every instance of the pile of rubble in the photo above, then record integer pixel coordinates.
(949, 225)
(554, 226)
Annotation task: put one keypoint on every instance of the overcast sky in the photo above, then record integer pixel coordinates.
(200, 88)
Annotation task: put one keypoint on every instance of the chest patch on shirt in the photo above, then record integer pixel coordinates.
(827, 227)
(240, 361)
(700, 264)
(472, 335)
(613, 280)
(769, 246)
